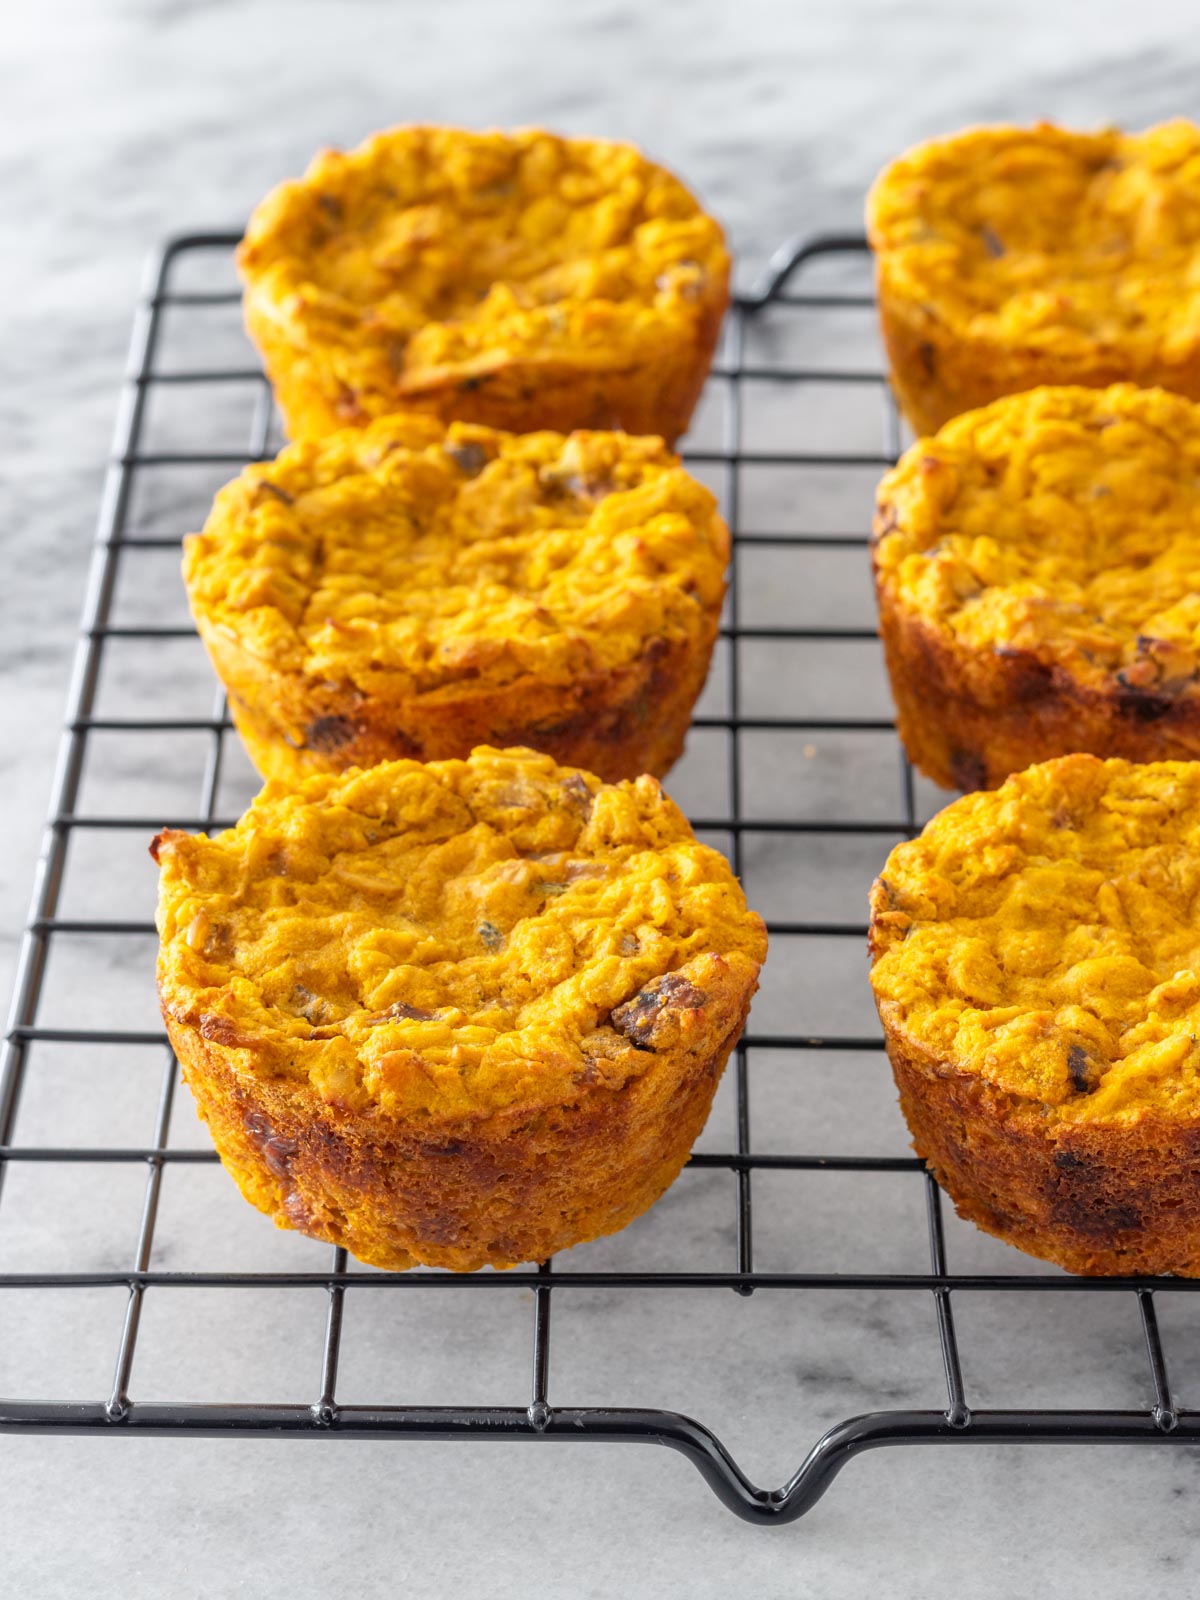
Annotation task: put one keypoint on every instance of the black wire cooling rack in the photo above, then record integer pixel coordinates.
(756, 360)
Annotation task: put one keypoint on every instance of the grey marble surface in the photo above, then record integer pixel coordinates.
(130, 120)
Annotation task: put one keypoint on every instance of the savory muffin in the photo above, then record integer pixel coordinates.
(1037, 565)
(1037, 971)
(514, 279)
(404, 590)
(1013, 257)
(463, 1013)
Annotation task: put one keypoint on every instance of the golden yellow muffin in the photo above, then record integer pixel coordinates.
(1037, 565)
(463, 1013)
(1037, 971)
(404, 590)
(1013, 257)
(513, 279)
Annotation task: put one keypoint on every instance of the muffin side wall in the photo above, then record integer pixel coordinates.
(937, 374)
(496, 1190)
(618, 724)
(650, 397)
(970, 718)
(1104, 1200)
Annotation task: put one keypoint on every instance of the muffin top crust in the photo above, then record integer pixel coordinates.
(1062, 241)
(455, 938)
(1044, 937)
(411, 556)
(1062, 523)
(443, 248)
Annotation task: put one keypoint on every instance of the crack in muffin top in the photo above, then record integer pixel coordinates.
(1045, 937)
(455, 937)
(415, 556)
(1062, 522)
(1063, 241)
(439, 245)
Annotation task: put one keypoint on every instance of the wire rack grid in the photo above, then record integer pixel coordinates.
(745, 802)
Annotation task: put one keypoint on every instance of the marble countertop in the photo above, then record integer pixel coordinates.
(142, 117)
